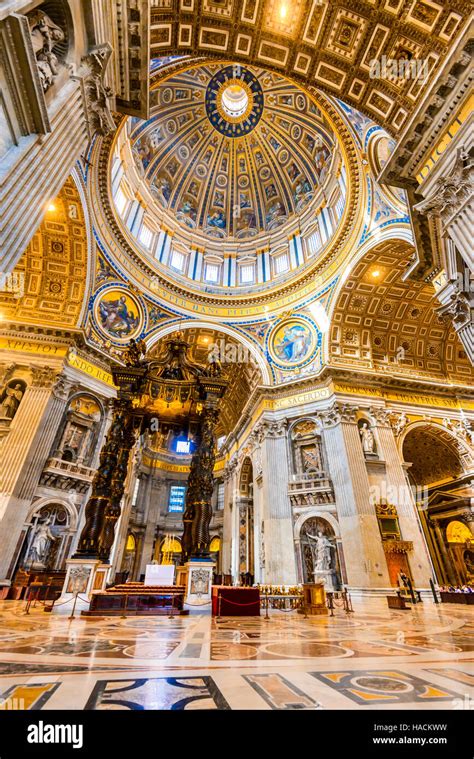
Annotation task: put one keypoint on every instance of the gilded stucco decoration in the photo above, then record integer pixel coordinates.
(329, 43)
(381, 321)
(51, 276)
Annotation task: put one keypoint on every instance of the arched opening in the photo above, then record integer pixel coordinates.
(170, 550)
(215, 552)
(246, 524)
(129, 557)
(443, 487)
(46, 542)
(319, 553)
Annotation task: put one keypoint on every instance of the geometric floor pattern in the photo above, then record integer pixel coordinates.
(375, 658)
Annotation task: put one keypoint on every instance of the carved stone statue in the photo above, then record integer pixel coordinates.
(311, 459)
(45, 35)
(399, 422)
(97, 93)
(322, 551)
(11, 401)
(40, 543)
(367, 437)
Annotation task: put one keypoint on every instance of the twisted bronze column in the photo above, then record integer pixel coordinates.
(101, 497)
(112, 509)
(198, 513)
(191, 496)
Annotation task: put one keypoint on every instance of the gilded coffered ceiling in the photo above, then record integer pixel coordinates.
(327, 43)
(48, 285)
(383, 322)
(433, 455)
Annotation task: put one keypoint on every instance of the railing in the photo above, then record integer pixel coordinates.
(307, 487)
(69, 468)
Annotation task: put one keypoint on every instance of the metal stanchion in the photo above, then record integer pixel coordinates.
(330, 603)
(171, 615)
(124, 616)
(30, 599)
(73, 606)
(267, 616)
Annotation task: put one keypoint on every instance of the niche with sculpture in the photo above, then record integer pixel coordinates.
(45, 546)
(11, 397)
(79, 431)
(367, 439)
(319, 553)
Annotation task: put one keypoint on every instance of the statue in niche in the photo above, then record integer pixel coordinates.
(11, 400)
(41, 543)
(367, 438)
(322, 551)
(45, 35)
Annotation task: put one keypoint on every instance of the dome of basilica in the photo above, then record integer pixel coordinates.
(239, 178)
(232, 152)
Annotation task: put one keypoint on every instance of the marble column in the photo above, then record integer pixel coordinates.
(400, 494)
(24, 455)
(363, 552)
(229, 506)
(280, 564)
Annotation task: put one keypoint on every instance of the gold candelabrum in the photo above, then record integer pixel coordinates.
(147, 388)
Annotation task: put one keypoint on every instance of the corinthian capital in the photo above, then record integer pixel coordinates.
(381, 416)
(452, 190)
(44, 376)
(230, 468)
(63, 387)
(269, 429)
(339, 412)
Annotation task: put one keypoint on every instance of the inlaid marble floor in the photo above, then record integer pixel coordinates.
(372, 659)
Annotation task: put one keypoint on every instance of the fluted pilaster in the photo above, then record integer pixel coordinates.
(280, 565)
(24, 454)
(364, 556)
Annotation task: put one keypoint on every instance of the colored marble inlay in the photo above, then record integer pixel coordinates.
(174, 693)
(279, 693)
(379, 687)
(27, 696)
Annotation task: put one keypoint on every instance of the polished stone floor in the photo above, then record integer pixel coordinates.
(372, 659)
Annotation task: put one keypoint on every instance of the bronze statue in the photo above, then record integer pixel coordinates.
(135, 352)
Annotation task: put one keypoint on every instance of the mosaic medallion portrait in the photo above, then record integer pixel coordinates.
(119, 314)
(292, 342)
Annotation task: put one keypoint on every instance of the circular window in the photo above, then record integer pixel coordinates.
(234, 101)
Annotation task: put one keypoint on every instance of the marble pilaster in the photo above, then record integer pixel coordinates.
(228, 532)
(364, 556)
(280, 565)
(410, 527)
(24, 454)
